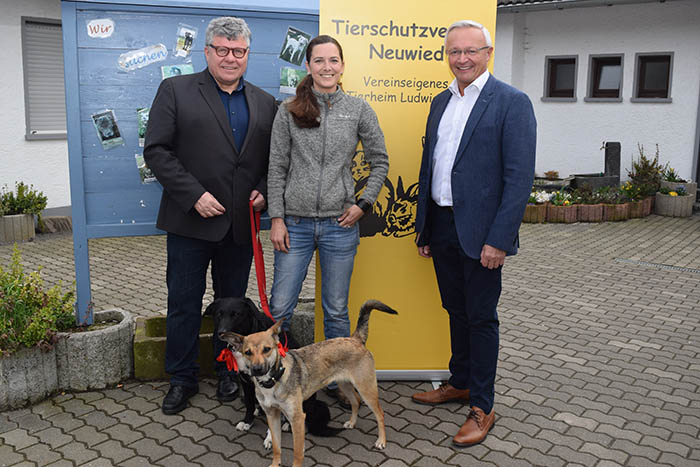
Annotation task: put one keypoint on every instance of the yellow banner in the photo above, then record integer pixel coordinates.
(395, 60)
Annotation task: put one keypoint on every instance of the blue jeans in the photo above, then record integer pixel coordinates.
(188, 260)
(336, 252)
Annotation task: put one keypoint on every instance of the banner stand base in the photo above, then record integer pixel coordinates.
(413, 375)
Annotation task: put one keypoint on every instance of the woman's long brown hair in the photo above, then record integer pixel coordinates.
(304, 108)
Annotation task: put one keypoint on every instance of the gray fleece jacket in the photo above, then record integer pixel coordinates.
(310, 168)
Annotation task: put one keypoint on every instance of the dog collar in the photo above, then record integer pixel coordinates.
(275, 376)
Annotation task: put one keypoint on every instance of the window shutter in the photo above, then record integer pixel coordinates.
(45, 101)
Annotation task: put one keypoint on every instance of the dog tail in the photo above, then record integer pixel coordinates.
(362, 329)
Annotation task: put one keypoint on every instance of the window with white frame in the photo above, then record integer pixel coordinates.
(652, 77)
(560, 78)
(605, 78)
(44, 91)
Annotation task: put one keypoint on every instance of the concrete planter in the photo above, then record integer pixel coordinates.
(17, 228)
(149, 342)
(674, 206)
(97, 358)
(690, 188)
(594, 181)
(535, 213)
(27, 377)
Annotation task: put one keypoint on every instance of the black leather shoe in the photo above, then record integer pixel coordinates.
(176, 398)
(227, 389)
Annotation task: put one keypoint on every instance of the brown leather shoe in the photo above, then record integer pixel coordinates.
(445, 393)
(475, 429)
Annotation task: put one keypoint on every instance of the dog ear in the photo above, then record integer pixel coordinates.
(251, 304)
(233, 339)
(276, 328)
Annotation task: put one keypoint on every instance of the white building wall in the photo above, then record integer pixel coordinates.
(570, 134)
(43, 164)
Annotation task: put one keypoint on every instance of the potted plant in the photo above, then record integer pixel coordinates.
(674, 203)
(17, 211)
(614, 206)
(590, 209)
(30, 318)
(646, 174)
(671, 180)
(562, 208)
(536, 209)
(633, 195)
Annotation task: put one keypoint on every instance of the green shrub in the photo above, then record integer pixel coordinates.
(24, 200)
(586, 195)
(670, 175)
(646, 172)
(609, 195)
(30, 315)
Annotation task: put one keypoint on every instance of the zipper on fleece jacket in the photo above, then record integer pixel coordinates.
(323, 154)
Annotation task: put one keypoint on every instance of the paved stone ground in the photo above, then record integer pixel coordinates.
(599, 366)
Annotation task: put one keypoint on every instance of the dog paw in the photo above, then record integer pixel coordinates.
(243, 426)
(257, 412)
(380, 444)
(348, 425)
(267, 443)
(286, 427)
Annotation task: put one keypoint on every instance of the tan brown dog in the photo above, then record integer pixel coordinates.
(282, 383)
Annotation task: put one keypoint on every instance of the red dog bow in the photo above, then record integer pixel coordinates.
(227, 356)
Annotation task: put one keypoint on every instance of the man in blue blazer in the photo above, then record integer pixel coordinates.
(208, 143)
(475, 178)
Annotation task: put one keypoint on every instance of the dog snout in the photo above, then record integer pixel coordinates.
(258, 370)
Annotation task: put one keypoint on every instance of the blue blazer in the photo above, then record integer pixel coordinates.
(492, 173)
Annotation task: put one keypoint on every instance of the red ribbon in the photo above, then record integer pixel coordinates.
(227, 356)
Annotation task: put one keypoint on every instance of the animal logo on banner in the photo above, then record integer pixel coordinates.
(394, 212)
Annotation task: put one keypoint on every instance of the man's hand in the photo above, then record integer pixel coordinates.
(424, 251)
(208, 206)
(279, 235)
(350, 216)
(258, 200)
(492, 257)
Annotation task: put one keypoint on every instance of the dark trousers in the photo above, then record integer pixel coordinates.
(188, 260)
(469, 292)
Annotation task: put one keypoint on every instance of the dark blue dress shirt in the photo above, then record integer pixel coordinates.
(237, 111)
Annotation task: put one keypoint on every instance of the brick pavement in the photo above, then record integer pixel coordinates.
(599, 366)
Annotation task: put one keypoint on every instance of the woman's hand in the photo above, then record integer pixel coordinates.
(350, 216)
(279, 235)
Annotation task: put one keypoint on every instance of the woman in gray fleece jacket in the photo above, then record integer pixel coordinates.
(311, 192)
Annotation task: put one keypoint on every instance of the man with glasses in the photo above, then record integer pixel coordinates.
(208, 144)
(475, 178)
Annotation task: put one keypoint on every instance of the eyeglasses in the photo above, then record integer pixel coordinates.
(222, 51)
(456, 53)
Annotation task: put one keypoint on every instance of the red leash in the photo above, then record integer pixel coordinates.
(259, 260)
(226, 355)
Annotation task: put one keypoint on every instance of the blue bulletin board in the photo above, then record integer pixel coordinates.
(109, 197)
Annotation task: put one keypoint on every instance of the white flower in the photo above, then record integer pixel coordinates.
(542, 196)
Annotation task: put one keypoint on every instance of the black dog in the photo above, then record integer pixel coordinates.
(240, 315)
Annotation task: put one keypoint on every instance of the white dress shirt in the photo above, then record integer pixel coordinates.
(449, 134)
